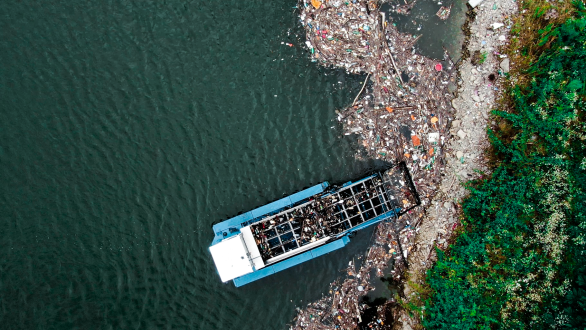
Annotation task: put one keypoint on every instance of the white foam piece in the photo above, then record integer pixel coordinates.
(474, 3)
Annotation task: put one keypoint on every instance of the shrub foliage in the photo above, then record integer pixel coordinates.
(521, 260)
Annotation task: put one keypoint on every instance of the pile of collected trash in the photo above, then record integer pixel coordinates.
(342, 307)
(406, 110)
(404, 114)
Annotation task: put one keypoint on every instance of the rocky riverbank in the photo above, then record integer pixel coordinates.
(478, 90)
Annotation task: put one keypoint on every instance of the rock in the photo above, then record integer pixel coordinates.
(474, 3)
(476, 98)
(461, 134)
(505, 65)
(497, 25)
(476, 57)
(552, 13)
(433, 137)
(454, 104)
(456, 123)
(463, 174)
(459, 154)
(452, 88)
(484, 115)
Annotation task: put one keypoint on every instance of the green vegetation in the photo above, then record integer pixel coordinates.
(483, 57)
(536, 20)
(520, 261)
(415, 303)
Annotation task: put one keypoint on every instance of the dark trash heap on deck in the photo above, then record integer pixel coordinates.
(333, 213)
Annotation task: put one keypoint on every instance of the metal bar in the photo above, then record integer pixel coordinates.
(280, 242)
(385, 189)
(293, 231)
(372, 205)
(344, 208)
(358, 206)
(386, 202)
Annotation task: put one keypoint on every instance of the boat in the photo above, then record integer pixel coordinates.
(308, 224)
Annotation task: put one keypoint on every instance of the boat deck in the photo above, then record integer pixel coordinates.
(308, 224)
(324, 216)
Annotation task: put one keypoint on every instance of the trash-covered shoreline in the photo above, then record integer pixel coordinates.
(404, 112)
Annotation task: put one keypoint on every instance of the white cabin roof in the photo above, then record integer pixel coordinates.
(252, 248)
(230, 256)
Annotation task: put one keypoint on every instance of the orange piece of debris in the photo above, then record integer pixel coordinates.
(316, 3)
(412, 117)
(389, 109)
(416, 140)
(407, 155)
(431, 151)
(434, 120)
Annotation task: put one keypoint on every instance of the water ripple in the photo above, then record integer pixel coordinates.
(127, 129)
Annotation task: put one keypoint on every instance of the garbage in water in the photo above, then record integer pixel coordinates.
(444, 12)
(402, 113)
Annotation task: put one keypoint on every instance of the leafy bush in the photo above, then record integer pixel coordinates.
(521, 262)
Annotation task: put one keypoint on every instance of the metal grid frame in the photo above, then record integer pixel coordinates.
(343, 210)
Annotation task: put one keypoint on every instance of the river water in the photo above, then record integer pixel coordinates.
(436, 35)
(126, 129)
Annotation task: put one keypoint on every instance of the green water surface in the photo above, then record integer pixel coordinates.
(126, 129)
